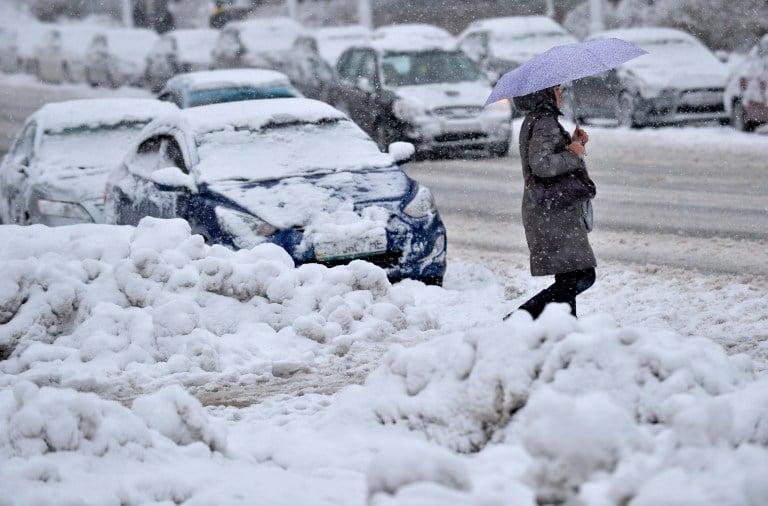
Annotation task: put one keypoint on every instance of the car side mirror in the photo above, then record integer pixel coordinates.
(402, 152)
(172, 179)
(364, 84)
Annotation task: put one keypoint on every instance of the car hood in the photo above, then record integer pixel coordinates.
(73, 184)
(303, 202)
(433, 96)
(662, 72)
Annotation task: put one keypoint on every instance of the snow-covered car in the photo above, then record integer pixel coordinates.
(422, 91)
(118, 56)
(277, 43)
(501, 44)
(679, 80)
(746, 91)
(178, 51)
(333, 40)
(61, 55)
(261, 171)
(56, 169)
(227, 85)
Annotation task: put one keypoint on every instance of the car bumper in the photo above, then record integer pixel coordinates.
(434, 133)
(691, 105)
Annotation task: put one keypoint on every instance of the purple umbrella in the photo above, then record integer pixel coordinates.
(561, 64)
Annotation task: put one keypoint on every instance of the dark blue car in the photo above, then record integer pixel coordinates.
(295, 172)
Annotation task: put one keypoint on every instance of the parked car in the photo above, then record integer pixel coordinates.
(333, 40)
(61, 54)
(218, 86)
(498, 45)
(118, 56)
(278, 44)
(56, 169)
(18, 53)
(260, 171)
(746, 94)
(421, 91)
(179, 51)
(679, 80)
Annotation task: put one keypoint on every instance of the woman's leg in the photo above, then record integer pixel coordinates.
(565, 289)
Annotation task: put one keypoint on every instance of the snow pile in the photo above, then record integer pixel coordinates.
(607, 414)
(110, 308)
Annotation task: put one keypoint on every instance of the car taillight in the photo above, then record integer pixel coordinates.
(743, 83)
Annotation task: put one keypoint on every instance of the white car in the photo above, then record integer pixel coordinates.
(422, 90)
(746, 91)
(57, 167)
(277, 43)
(414, 33)
(501, 44)
(679, 80)
(334, 40)
(227, 85)
(61, 55)
(18, 52)
(118, 56)
(178, 51)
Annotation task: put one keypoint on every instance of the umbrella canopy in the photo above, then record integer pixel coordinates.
(564, 63)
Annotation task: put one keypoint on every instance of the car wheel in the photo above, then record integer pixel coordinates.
(626, 112)
(738, 118)
(89, 78)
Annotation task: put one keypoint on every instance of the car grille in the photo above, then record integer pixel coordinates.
(460, 136)
(458, 112)
(386, 259)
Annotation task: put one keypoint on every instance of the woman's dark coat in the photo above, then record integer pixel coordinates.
(557, 237)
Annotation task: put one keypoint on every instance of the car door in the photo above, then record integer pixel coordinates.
(14, 176)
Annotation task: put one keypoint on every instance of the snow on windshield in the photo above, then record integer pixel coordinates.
(87, 146)
(278, 151)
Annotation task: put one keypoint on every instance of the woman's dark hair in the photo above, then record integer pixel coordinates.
(541, 99)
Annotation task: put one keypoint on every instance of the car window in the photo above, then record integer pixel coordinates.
(349, 64)
(23, 147)
(428, 67)
(146, 157)
(171, 154)
(368, 67)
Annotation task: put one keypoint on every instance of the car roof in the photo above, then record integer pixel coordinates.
(412, 37)
(254, 114)
(207, 79)
(645, 33)
(517, 24)
(263, 35)
(99, 111)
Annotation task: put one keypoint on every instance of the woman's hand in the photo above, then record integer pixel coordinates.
(577, 148)
(580, 135)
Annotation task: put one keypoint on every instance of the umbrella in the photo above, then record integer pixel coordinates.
(561, 64)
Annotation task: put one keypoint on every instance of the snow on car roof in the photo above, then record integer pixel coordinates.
(255, 114)
(517, 24)
(266, 34)
(412, 37)
(646, 34)
(206, 79)
(56, 116)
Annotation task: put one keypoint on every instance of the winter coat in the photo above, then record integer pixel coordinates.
(557, 237)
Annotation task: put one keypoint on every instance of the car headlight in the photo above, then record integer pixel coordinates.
(408, 109)
(62, 209)
(422, 204)
(246, 230)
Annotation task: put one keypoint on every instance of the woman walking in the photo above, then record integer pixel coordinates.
(556, 230)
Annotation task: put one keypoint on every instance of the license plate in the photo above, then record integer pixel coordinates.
(701, 98)
(371, 243)
(461, 126)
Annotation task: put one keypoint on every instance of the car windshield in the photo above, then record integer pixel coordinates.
(287, 149)
(221, 95)
(428, 67)
(86, 146)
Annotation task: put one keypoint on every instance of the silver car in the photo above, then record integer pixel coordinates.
(57, 167)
